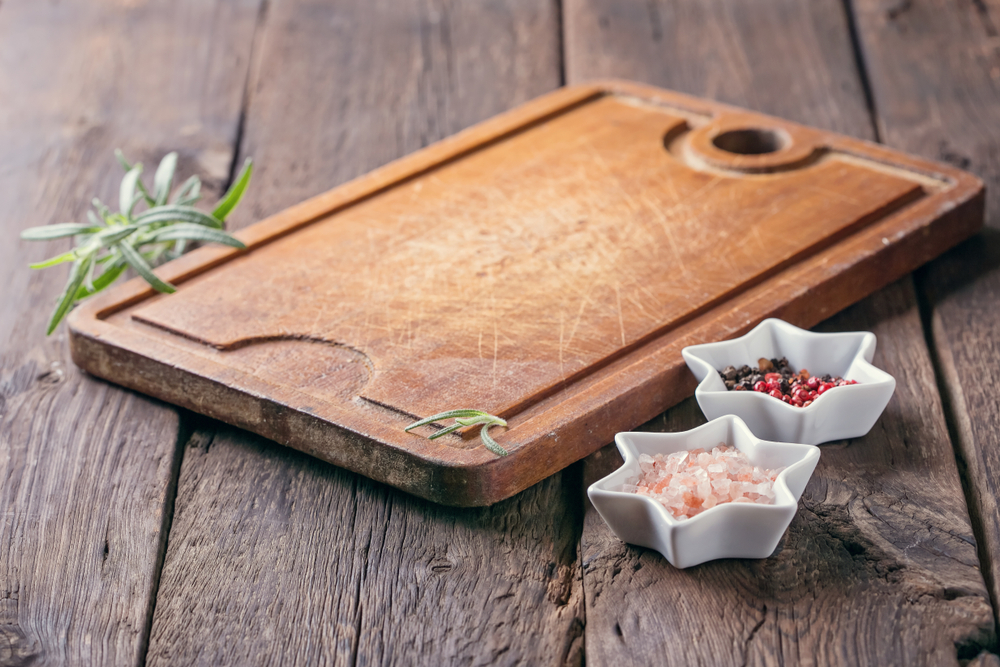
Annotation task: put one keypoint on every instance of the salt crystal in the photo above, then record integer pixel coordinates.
(690, 482)
(721, 486)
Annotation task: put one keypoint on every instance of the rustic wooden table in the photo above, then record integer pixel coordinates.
(134, 533)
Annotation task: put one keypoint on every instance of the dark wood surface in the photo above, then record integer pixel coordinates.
(875, 531)
(933, 66)
(88, 470)
(125, 525)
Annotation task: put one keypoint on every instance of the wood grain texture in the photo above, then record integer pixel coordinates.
(935, 77)
(879, 565)
(276, 558)
(88, 468)
(545, 273)
(340, 90)
(725, 51)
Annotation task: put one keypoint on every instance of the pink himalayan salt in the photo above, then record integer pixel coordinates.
(690, 482)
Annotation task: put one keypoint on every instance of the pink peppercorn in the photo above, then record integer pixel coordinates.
(776, 378)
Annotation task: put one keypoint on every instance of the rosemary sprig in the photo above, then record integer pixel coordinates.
(110, 242)
(466, 418)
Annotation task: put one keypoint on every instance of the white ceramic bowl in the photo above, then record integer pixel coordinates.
(729, 530)
(842, 412)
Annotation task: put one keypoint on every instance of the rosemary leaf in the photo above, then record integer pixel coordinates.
(59, 231)
(76, 277)
(190, 232)
(127, 167)
(445, 431)
(126, 193)
(102, 210)
(88, 278)
(491, 444)
(102, 281)
(136, 261)
(466, 417)
(445, 415)
(163, 178)
(175, 213)
(484, 419)
(121, 160)
(235, 193)
(112, 235)
(58, 259)
(189, 193)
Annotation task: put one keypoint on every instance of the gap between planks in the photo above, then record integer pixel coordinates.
(859, 63)
(185, 431)
(187, 421)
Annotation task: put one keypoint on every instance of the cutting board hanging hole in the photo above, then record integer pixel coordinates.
(751, 141)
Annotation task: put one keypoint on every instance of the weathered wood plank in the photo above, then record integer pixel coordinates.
(934, 70)
(879, 566)
(88, 468)
(340, 90)
(731, 52)
(275, 558)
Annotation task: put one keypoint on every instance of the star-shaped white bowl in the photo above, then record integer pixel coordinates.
(842, 412)
(729, 530)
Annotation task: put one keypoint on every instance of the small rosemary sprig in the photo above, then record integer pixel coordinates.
(466, 418)
(111, 242)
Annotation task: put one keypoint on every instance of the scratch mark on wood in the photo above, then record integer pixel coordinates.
(621, 319)
(579, 315)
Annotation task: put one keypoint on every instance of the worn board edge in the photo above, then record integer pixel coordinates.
(563, 427)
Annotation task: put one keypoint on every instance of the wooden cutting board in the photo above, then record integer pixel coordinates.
(547, 266)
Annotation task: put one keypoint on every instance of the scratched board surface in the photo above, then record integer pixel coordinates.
(545, 266)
